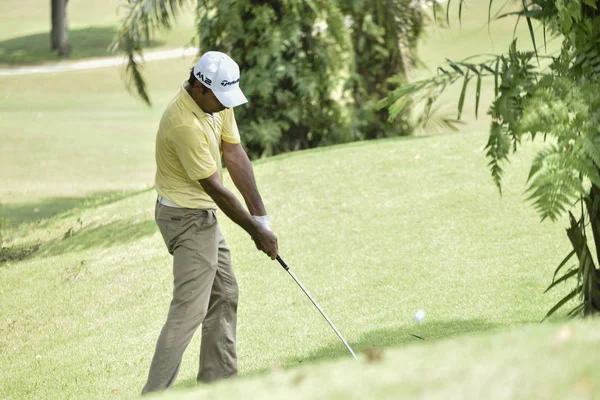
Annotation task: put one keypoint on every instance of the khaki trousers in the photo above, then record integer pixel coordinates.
(205, 292)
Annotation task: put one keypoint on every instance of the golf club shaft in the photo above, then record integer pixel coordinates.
(284, 265)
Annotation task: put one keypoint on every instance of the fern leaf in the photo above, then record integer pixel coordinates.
(554, 180)
(591, 150)
(552, 193)
(498, 147)
(538, 161)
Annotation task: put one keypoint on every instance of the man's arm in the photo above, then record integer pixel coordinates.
(240, 170)
(264, 239)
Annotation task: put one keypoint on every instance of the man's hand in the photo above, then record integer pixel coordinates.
(242, 175)
(266, 241)
(263, 220)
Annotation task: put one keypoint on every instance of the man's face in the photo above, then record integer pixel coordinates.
(206, 99)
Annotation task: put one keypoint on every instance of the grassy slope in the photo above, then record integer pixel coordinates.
(374, 230)
(526, 364)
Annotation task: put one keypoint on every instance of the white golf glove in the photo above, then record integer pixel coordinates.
(263, 220)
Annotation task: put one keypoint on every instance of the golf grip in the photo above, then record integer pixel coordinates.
(283, 264)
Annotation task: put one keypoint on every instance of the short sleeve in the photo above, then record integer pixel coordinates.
(230, 129)
(194, 154)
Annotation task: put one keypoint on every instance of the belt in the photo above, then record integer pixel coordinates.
(167, 203)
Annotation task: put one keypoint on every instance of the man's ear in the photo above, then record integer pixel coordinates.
(200, 87)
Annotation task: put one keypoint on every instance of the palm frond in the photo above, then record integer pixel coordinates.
(530, 26)
(141, 20)
(433, 118)
(461, 101)
(431, 88)
(460, 8)
(576, 311)
(563, 263)
(477, 96)
(134, 77)
(587, 278)
(572, 272)
(562, 302)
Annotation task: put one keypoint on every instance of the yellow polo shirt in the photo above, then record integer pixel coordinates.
(188, 149)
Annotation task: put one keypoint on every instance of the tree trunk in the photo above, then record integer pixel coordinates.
(59, 34)
(54, 23)
(593, 207)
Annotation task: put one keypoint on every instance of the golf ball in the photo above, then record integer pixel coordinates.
(419, 316)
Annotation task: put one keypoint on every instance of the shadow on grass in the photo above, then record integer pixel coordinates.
(104, 236)
(396, 337)
(35, 49)
(21, 213)
(379, 339)
(21, 218)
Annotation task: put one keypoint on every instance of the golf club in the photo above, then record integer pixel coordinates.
(284, 265)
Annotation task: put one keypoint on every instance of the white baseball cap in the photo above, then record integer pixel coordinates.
(218, 72)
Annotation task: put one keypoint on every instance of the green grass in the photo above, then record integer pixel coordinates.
(80, 134)
(25, 27)
(527, 364)
(374, 230)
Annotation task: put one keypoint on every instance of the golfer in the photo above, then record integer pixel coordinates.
(196, 129)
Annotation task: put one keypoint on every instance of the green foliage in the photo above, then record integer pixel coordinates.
(561, 103)
(314, 71)
(290, 53)
(384, 39)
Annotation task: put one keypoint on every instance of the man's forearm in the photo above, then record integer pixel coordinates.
(230, 205)
(242, 175)
(264, 239)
